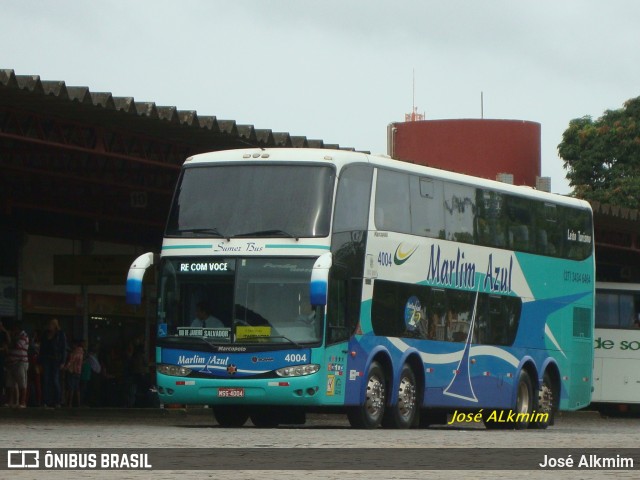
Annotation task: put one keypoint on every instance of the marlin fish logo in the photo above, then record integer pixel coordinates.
(402, 255)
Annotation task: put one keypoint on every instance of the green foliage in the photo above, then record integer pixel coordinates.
(602, 157)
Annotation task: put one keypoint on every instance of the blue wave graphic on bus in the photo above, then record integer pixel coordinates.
(475, 373)
(448, 374)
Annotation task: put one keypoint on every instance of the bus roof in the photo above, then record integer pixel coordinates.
(340, 158)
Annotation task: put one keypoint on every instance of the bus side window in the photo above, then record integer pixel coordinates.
(392, 206)
(543, 243)
(519, 238)
(627, 311)
(519, 217)
(352, 199)
(459, 202)
(548, 221)
(338, 309)
(497, 319)
(427, 213)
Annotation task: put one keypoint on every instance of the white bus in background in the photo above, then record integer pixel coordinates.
(616, 376)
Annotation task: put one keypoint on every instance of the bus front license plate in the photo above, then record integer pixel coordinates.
(231, 392)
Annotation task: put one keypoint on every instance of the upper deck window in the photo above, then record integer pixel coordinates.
(352, 199)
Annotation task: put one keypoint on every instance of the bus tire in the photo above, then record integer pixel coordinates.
(229, 416)
(506, 419)
(403, 413)
(370, 412)
(524, 400)
(546, 403)
(265, 419)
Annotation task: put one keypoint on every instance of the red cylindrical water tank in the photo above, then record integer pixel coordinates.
(479, 147)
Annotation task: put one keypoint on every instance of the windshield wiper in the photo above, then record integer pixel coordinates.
(209, 231)
(268, 233)
(208, 342)
(287, 339)
(216, 345)
(174, 340)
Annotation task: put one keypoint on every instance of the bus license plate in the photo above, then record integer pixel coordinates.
(231, 392)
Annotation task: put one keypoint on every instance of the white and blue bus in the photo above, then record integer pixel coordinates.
(297, 280)
(616, 372)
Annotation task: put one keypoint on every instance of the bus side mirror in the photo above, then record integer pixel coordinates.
(134, 278)
(320, 279)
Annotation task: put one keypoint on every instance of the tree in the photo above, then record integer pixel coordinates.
(602, 157)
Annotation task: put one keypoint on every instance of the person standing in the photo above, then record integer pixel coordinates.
(53, 356)
(18, 365)
(93, 377)
(4, 351)
(34, 375)
(73, 368)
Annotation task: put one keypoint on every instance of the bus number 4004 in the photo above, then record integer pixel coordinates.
(296, 357)
(384, 259)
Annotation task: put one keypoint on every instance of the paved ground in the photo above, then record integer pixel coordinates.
(195, 428)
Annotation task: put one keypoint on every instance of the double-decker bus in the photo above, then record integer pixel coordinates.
(616, 375)
(296, 280)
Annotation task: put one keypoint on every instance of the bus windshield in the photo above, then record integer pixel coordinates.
(277, 200)
(238, 300)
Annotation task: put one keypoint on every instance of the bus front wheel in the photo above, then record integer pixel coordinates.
(370, 412)
(263, 419)
(230, 416)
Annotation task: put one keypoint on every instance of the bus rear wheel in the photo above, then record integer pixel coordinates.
(403, 413)
(546, 404)
(230, 416)
(518, 418)
(370, 412)
(524, 401)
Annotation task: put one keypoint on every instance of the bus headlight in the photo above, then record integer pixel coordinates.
(173, 370)
(298, 370)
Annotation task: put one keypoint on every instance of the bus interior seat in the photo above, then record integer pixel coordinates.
(519, 237)
(543, 243)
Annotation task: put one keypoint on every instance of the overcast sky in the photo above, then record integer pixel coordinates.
(340, 70)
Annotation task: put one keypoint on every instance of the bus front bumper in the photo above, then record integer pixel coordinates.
(304, 390)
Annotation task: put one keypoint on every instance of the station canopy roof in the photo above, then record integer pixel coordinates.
(84, 164)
